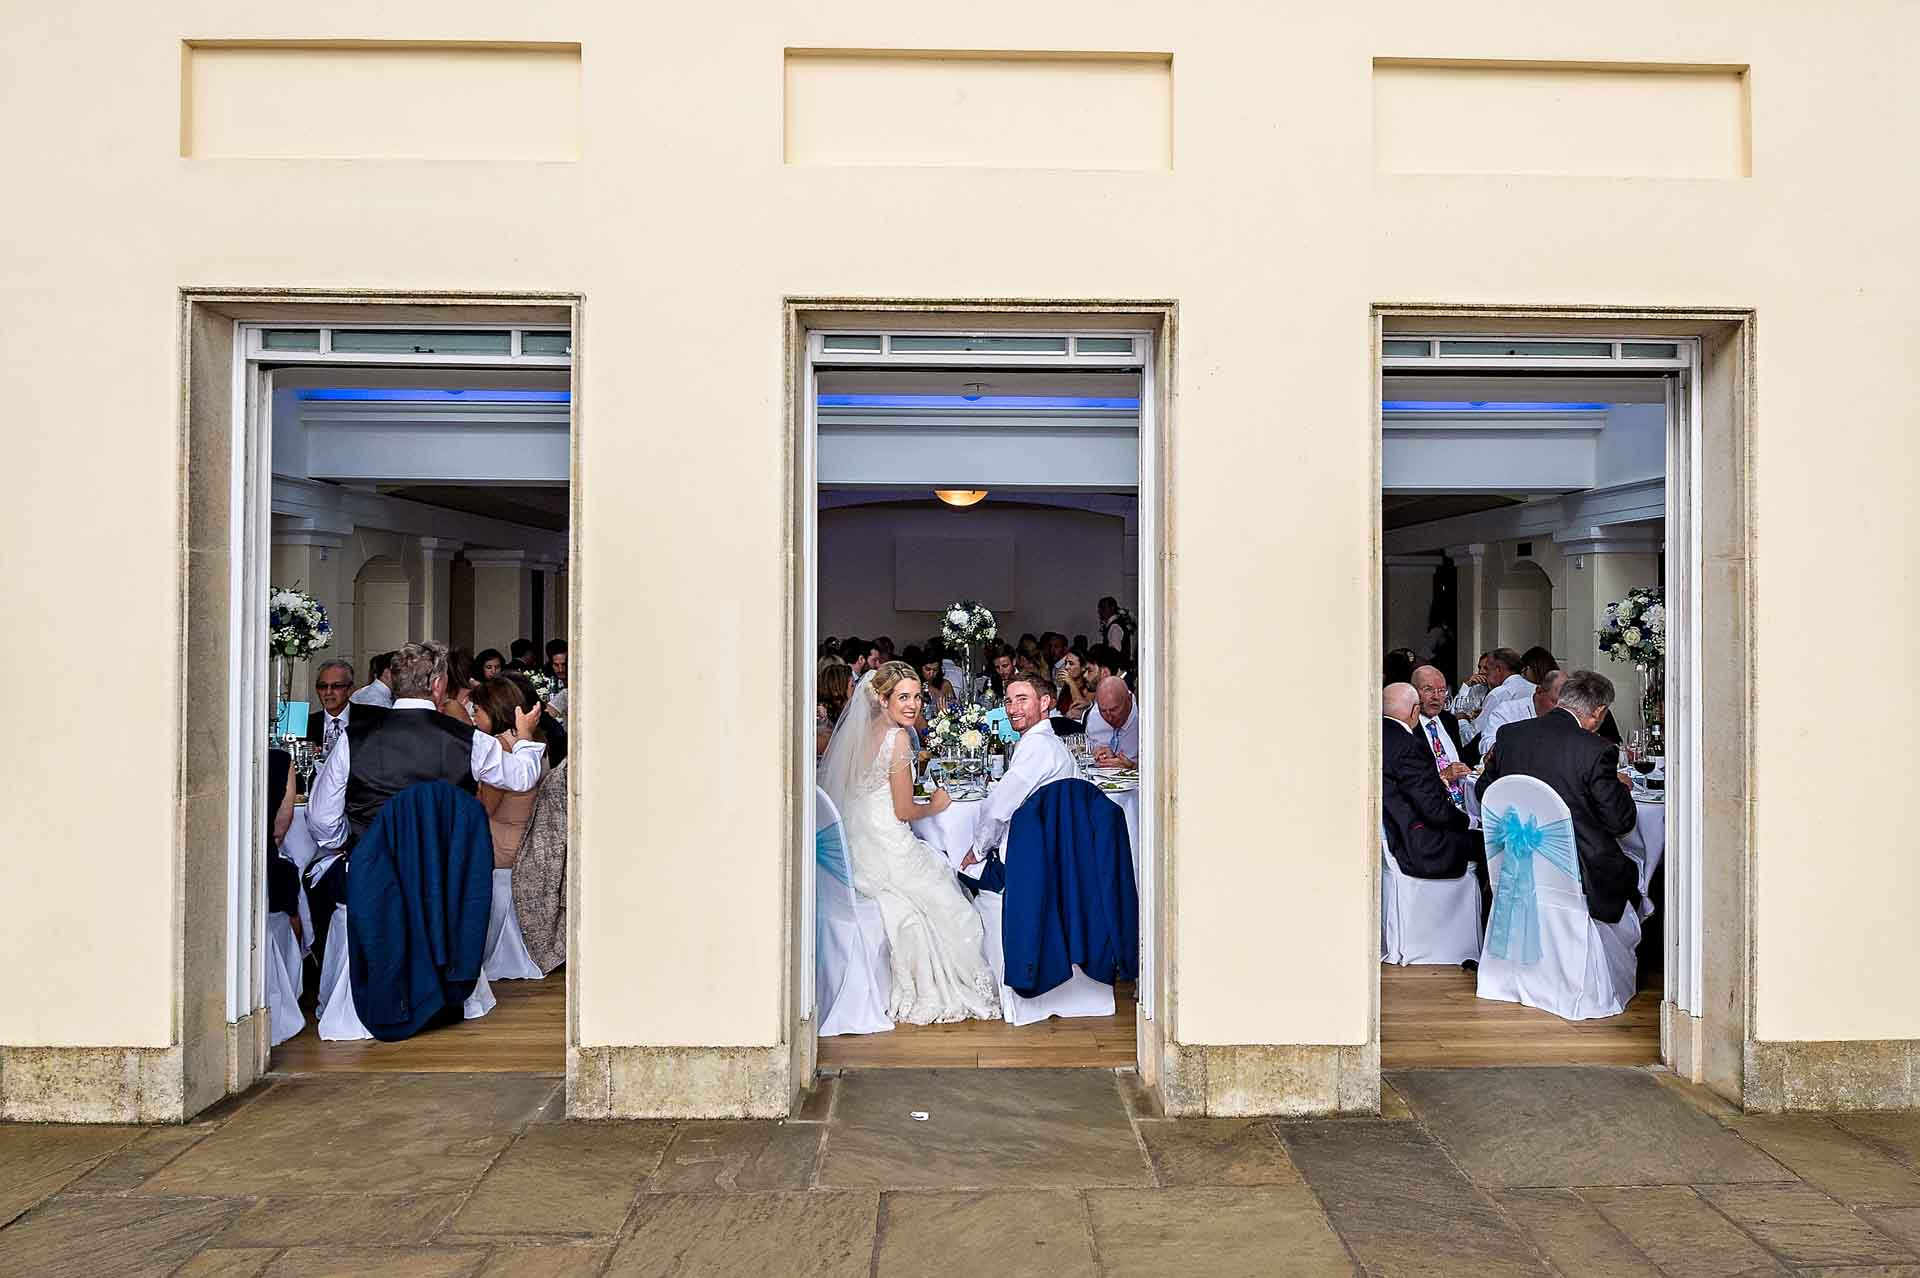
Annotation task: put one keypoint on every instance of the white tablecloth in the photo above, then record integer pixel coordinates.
(951, 831)
(1646, 845)
(299, 848)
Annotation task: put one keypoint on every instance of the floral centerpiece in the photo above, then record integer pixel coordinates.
(543, 683)
(960, 726)
(967, 623)
(297, 626)
(1635, 629)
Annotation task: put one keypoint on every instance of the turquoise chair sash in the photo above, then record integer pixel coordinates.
(830, 853)
(1513, 932)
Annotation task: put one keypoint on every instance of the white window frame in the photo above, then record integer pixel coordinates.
(253, 349)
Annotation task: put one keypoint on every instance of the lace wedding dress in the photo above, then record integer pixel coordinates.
(940, 970)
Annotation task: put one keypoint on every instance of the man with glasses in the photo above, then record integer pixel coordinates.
(332, 686)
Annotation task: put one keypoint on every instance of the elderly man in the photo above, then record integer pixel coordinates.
(1511, 698)
(1040, 759)
(1439, 731)
(1113, 729)
(1428, 835)
(1563, 749)
(1547, 695)
(381, 755)
(332, 686)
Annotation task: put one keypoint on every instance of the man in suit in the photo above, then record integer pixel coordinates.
(1439, 729)
(1427, 835)
(332, 685)
(1563, 749)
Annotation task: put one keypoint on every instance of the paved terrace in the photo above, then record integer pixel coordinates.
(1054, 1172)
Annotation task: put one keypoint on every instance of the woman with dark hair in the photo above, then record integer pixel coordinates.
(936, 690)
(283, 877)
(507, 811)
(1536, 663)
(459, 699)
(488, 663)
(831, 690)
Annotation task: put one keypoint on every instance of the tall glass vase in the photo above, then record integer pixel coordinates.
(1653, 693)
(282, 692)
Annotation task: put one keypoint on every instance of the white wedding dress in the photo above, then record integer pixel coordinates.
(940, 970)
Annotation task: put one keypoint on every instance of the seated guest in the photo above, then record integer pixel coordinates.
(1427, 835)
(1053, 648)
(1075, 698)
(379, 689)
(1439, 731)
(1039, 759)
(1028, 663)
(332, 685)
(460, 687)
(883, 646)
(1113, 729)
(1562, 749)
(831, 690)
(1399, 666)
(1535, 665)
(384, 754)
(858, 654)
(488, 664)
(1104, 661)
(1547, 695)
(499, 702)
(936, 689)
(1000, 668)
(521, 651)
(1505, 683)
(557, 662)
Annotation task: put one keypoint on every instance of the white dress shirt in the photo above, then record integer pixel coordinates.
(1040, 759)
(335, 725)
(327, 809)
(1516, 685)
(376, 693)
(1496, 717)
(1122, 740)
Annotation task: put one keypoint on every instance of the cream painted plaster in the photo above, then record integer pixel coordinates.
(683, 229)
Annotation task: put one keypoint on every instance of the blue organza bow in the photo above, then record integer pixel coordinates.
(1515, 924)
(830, 853)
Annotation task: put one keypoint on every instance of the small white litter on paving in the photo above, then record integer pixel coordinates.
(918, 1115)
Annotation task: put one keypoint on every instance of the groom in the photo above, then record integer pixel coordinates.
(1040, 759)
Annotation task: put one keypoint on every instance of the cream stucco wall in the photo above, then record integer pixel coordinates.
(683, 228)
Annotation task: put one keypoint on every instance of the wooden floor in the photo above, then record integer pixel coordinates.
(1430, 1018)
(1104, 1042)
(526, 1032)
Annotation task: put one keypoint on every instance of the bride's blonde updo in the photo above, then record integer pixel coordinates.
(888, 677)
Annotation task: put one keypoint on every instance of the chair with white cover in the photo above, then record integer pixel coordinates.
(283, 971)
(507, 957)
(338, 1022)
(1426, 920)
(1079, 995)
(852, 964)
(1542, 948)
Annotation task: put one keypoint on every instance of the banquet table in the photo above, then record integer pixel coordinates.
(951, 832)
(1645, 845)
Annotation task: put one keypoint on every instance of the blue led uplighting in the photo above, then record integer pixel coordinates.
(1486, 406)
(1131, 402)
(387, 394)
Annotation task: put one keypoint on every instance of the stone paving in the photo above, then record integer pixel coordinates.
(1048, 1172)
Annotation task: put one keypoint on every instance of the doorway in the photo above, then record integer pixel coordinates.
(1530, 485)
(411, 471)
(1007, 459)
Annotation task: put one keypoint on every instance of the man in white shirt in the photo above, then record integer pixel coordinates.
(1040, 759)
(1113, 729)
(1506, 683)
(379, 689)
(1437, 735)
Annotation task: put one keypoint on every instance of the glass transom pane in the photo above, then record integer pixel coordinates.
(1649, 350)
(1601, 350)
(369, 341)
(1104, 345)
(852, 342)
(546, 343)
(1406, 348)
(290, 339)
(960, 344)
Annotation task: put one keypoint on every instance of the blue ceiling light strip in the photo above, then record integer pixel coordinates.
(1131, 402)
(418, 395)
(1487, 406)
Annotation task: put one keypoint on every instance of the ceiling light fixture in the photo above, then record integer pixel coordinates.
(960, 496)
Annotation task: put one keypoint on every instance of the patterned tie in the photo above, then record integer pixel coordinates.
(332, 735)
(1442, 763)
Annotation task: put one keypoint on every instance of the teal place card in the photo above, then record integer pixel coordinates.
(293, 720)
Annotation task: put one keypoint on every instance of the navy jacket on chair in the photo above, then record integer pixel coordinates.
(1070, 896)
(418, 897)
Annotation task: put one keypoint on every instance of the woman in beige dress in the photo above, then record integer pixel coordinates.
(494, 704)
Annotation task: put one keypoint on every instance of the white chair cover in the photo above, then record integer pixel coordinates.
(283, 960)
(852, 966)
(1542, 947)
(1080, 995)
(1426, 920)
(507, 957)
(338, 1021)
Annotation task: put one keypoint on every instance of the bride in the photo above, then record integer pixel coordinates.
(940, 970)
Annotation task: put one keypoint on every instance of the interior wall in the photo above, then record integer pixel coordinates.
(1062, 561)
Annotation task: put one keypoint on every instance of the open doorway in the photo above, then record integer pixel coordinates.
(1002, 472)
(1528, 496)
(413, 482)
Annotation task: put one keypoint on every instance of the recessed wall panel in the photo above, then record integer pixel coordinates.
(1010, 111)
(1560, 119)
(374, 100)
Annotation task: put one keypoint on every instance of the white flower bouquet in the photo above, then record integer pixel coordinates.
(1635, 628)
(543, 684)
(967, 622)
(297, 626)
(962, 726)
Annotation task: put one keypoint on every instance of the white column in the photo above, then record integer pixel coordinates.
(1602, 565)
(502, 597)
(548, 615)
(432, 564)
